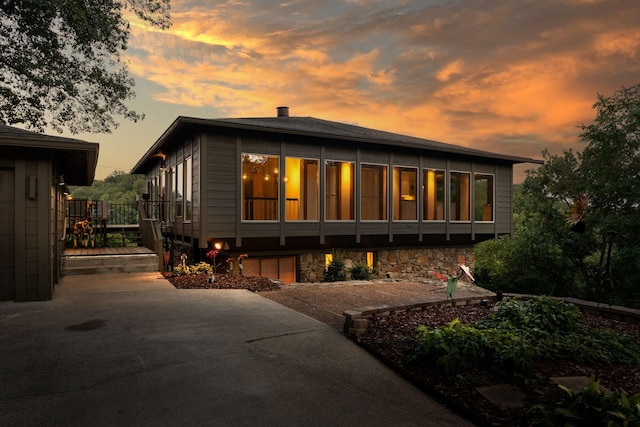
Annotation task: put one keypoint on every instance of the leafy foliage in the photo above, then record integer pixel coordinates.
(518, 335)
(360, 271)
(118, 187)
(545, 255)
(592, 407)
(200, 268)
(61, 65)
(336, 271)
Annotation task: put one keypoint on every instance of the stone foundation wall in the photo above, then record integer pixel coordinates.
(397, 263)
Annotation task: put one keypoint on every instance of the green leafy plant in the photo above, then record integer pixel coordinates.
(200, 268)
(518, 335)
(592, 407)
(360, 271)
(336, 271)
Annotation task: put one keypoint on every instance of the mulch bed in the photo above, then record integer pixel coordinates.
(393, 338)
(222, 281)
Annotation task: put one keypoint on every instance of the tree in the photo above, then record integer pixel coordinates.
(604, 178)
(61, 62)
(119, 187)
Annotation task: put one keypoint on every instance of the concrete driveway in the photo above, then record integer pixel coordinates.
(130, 349)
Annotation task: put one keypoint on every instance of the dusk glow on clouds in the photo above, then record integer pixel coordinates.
(507, 76)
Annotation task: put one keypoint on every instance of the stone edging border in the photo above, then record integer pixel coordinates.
(355, 323)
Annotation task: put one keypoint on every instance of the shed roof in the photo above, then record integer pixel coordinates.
(77, 159)
(318, 128)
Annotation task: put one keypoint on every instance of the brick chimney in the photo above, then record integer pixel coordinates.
(283, 111)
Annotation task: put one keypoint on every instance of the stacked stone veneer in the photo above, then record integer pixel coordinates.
(397, 263)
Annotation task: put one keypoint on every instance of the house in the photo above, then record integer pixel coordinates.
(288, 191)
(35, 170)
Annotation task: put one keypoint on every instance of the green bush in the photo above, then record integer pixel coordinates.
(542, 313)
(518, 335)
(360, 271)
(336, 271)
(200, 268)
(592, 407)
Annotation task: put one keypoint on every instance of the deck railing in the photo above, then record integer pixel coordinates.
(114, 224)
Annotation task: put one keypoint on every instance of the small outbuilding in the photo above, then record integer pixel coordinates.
(35, 170)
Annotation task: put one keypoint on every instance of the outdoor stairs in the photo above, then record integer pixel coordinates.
(100, 264)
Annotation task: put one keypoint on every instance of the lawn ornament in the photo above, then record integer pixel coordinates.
(452, 280)
(83, 230)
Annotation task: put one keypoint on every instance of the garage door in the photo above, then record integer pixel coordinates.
(282, 268)
(7, 250)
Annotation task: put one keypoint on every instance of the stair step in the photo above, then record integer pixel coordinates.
(109, 264)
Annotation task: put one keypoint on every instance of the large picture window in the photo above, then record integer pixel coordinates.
(302, 187)
(373, 186)
(260, 187)
(188, 190)
(460, 196)
(405, 194)
(179, 189)
(339, 194)
(433, 198)
(483, 197)
(171, 185)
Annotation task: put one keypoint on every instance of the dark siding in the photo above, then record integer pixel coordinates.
(33, 223)
(221, 173)
(217, 192)
(504, 200)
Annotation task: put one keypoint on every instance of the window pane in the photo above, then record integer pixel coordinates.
(260, 187)
(405, 200)
(188, 190)
(302, 189)
(339, 191)
(171, 184)
(179, 188)
(433, 204)
(374, 192)
(483, 187)
(460, 196)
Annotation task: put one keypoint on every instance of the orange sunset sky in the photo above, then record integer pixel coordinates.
(508, 76)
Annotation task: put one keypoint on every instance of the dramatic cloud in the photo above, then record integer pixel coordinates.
(505, 76)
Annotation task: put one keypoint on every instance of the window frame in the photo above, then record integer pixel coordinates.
(492, 203)
(425, 198)
(385, 190)
(187, 192)
(452, 198)
(398, 198)
(339, 196)
(318, 188)
(179, 190)
(244, 181)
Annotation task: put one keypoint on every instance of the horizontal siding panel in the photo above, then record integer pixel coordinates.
(340, 153)
(302, 233)
(374, 157)
(304, 151)
(482, 228)
(460, 166)
(460, 228)
(434, 163)
(338, 229)
(374, 227)
(406, 160)
(250, 145)
(301, 227)
(408, 228)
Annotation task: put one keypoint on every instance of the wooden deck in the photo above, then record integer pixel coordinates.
(135, 250)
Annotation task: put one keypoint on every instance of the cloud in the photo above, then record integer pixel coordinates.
(504, 76)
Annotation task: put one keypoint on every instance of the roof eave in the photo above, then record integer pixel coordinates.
(182, 121)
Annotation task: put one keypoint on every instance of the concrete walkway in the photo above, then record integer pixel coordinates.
(130, 349)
